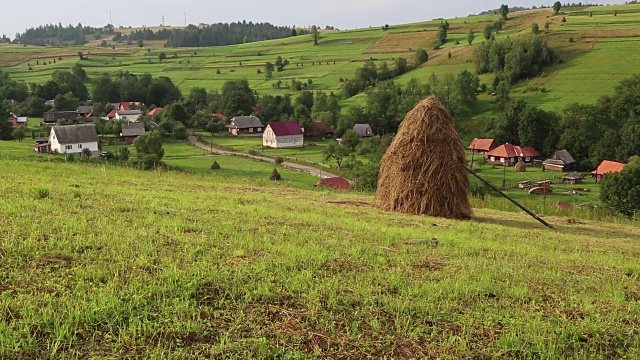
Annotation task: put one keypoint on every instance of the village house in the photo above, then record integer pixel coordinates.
(73, 139)
(126, 105)
(572, 178)
(284, 134)
(245, 126)
(363, 130)
(561, 160)
(54, 117)
(130, 131)
(482, 146)
(129, 115)
(51, 103)
(508, 154)
(607, 167)
(155, 111)
(319, 129)
(84, 110)
(17, 121)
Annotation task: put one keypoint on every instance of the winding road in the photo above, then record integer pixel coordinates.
(288, 165)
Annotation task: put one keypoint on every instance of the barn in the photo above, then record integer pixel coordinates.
(283, 134)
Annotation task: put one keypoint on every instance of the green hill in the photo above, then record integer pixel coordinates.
(126, 263)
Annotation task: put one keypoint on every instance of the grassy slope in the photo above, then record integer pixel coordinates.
(210, 268)
(605, 51)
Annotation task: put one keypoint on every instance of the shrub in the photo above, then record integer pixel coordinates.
(253, 152)
(479, 190)
(42, 192)
(279, 160)
(571, 39)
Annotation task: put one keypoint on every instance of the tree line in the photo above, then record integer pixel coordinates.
(226, 34)
(60, 35)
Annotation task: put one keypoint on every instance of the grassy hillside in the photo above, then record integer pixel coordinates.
(125, 263)
(604, 51)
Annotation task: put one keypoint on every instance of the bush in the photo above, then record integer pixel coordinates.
(479, 191)
(571, 39)
(42, 192)
(253, 152)
(279, 160)
(621, 191)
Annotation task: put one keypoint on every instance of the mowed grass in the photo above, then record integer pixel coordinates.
(123, 263)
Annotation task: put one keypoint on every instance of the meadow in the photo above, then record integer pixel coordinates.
(213, 268)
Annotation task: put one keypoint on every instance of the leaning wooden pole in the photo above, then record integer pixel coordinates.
(531, 213)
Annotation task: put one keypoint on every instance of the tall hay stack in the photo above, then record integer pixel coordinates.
(521, 166)
(424, 169)
(215, 166)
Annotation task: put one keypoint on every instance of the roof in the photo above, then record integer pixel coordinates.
(318, 126)
(130, 112)
(125, 105)
(73, 134)
(337, 183)
(85, 109)
(482, 144)
(245, 122)
(51, 117)
(22, 119)
(155, 111)
(132, 129)
(220, 116)
(608, 166)
(573, 176)
(560, 157)
(112, 114)
(285, 128)
(513, 151)
(363, 129)
(42, 139)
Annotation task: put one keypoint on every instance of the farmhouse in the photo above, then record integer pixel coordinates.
(561, 160)
(363, 130)
(155, 111)
(126, 105)
(245, 126)
(508, 154)
(17, 121)
(54, 117)
(128, 115)
(319, 129)
(285, 134)
(130, 131)
(482, 146)
(607, 167)
(572, 178)
(73, 139)
(84, 110)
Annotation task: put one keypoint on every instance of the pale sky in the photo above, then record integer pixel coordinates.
(344, 14)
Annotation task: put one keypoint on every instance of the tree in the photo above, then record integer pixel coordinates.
(66, 102)
(294, 32)
(68, 82)
(350, 139)
(80, 55)
(556, 7)
(140, 43)
(6, 127)
(504, 12)
(621, 191)
(19, 133)
(535, 29)
(421, 57)
(337, 152)
(281, 64)
(441, 36)
(149, 149)
(401, 66)
(471, 36)
(162, 56)
(547, 25)
(268, 70)
(78, 71)
(236, 98)
(86, 154)
(502, 94)
(314, 32)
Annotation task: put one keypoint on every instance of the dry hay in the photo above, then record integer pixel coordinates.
(541, 190)
(275, 175)
(423, 171)
(521, 166)
(215, 166)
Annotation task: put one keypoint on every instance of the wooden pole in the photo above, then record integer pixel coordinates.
(531, 213)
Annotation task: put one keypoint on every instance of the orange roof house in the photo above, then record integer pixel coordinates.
(155, 111)
(511, 154)
(607, 167)
(482, 146)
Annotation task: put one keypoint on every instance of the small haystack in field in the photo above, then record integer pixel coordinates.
(424, 169)
(215, 166)
(275, 175)
(336, 183)
(521, 166)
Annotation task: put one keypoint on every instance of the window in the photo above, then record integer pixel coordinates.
(493, 158)
(250, 130)
(79, 146)
(68, 147)
(259, 129)
(527, 159)
(501, 160)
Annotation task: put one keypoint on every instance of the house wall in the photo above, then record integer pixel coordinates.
(75, 148)
(269, 139)
(512, 161)
(129, 139)
(133, 118)
(257, 131)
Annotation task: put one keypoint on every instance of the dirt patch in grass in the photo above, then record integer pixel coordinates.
(402, 42)
(56, 261)
(353, 203)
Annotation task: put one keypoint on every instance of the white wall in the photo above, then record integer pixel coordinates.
(75, 148)
(133, 118)
(269, 139)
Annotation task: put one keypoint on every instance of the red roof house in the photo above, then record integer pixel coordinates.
(283, 134)
(482, 146)
(112, 114)
(511, 154)
(220, 116)
(319, 129)
(126, 105)
(257, 109)
(607, 167)
(155, 111)
(337, 183)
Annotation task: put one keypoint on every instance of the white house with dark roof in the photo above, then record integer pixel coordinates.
(129, 115)
(73, 139)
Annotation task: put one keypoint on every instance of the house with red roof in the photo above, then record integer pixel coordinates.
(126, 105)
(155, 111)
(283, 134)
(482, 146)
(508, 154)
(607, 167)
(318, 129)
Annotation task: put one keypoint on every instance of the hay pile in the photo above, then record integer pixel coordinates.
(521, 166)
(423, 171)
(275, 175)
(215, 166)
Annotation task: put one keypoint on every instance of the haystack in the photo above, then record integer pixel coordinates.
(521, 166)
(423, 171)
(215, 166)
(275, 175)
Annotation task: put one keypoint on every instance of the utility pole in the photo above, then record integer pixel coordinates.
(162, 19)
(110, 18)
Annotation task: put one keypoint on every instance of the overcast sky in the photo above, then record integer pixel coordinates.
(17, 15)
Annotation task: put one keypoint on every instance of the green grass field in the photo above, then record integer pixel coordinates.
(100, 261)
